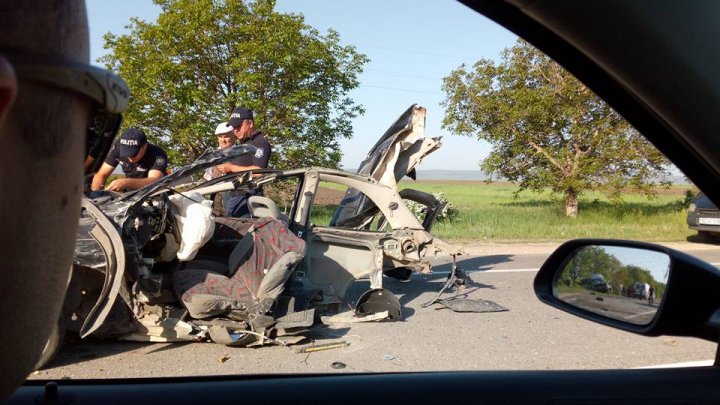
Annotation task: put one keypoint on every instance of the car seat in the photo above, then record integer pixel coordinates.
(261, 207)
(256, 270)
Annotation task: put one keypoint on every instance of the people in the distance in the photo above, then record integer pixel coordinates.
(243, 125)
(43, 123)
(141, 162)
(651, 295)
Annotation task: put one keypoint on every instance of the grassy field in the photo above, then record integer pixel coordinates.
(491, 213)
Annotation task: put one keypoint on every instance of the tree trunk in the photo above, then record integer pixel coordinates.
(571, 203)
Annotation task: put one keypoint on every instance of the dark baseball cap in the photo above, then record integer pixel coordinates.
(239, 114)
(130, 142)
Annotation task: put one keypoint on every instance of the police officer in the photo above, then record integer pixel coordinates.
(142, 163)
(243, 124)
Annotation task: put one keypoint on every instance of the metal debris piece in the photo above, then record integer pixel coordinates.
(327, 346)
(290, 340)
(388, 357)
(224, 358)
(354, 319)
(457, 279)
(338, 365)
(471, 305)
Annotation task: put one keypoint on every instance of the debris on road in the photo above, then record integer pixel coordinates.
(471, 305)
(326, 346)
(327, 320)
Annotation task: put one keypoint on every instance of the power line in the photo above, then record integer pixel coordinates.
(418, 76)
(408, 51)
(399, 89)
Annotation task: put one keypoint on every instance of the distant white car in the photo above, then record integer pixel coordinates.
(641, 290)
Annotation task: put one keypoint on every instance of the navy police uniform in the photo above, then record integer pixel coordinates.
(237, 204)
(261, 157)
(154, 159)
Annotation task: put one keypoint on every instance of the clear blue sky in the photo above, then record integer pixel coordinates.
(412, 45)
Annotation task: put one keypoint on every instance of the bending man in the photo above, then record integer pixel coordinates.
(142, 163)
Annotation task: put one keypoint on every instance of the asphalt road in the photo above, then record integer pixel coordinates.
(529, 336)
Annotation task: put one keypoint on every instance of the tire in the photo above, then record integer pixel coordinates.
(708, 237)
(52, 346)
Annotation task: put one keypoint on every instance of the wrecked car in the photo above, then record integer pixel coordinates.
(156, 265)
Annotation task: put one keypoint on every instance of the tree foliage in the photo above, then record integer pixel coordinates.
(547, 130)
(188, 69)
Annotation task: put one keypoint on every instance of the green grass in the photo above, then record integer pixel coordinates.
(322, 214)
(491, 213)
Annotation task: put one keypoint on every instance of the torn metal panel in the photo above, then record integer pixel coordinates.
(110, 244)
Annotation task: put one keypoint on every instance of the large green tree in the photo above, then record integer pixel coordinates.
(547, 130)
(188, 69)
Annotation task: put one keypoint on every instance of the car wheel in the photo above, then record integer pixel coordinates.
(57, 336)
(706, 236)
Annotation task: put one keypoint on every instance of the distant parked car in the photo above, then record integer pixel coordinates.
(597, 282)
(704, 217)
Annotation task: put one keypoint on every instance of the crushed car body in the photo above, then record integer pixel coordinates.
(156, 264)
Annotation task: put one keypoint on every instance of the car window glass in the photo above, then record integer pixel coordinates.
(506, 222)
(361, 211)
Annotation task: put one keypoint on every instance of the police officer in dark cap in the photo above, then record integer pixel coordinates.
(243, 125)
(141, 162)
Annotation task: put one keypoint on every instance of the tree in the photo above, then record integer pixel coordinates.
(188, 69)
(547, 130)
(589, 261)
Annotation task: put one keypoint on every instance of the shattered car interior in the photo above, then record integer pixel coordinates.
(156, 265)
(656, 64)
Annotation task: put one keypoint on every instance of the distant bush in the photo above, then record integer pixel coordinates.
(448, 213)
(689, 196)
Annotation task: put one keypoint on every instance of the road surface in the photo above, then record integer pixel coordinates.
(529, 336)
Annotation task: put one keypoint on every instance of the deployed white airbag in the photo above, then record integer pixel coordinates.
(193, 215)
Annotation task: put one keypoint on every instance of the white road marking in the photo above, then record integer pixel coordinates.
(508, 271)
(479, 270)
(641, 314)
(700, 363)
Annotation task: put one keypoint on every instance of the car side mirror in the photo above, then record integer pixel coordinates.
(622, 283)
(638, 287)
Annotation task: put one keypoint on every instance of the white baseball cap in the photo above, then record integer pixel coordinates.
(223, 128)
